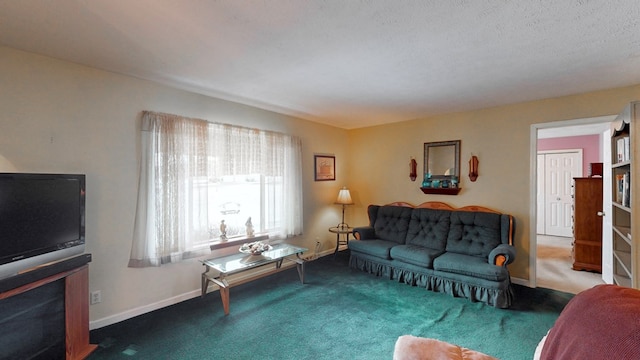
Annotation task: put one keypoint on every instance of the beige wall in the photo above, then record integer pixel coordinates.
(500, 137)
(59, 117)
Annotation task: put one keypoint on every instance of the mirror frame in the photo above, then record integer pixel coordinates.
(455, 160)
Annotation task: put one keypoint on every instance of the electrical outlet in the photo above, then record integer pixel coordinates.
(96, 297)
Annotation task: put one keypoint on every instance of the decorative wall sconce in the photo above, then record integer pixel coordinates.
(473, 168)
(413, 171)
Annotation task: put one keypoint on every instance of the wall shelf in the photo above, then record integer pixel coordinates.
(441, 191)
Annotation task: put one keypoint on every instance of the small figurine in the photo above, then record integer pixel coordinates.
(249, 226)
(223, 230)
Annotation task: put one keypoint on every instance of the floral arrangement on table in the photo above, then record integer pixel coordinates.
(255, 248)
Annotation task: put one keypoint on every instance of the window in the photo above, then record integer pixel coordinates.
(195, 174)
(235, 199)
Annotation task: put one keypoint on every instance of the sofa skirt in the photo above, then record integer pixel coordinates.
(497, 294)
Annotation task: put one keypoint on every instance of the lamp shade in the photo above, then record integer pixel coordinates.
(344, 197)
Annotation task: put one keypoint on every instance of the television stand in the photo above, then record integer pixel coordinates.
(73, 276)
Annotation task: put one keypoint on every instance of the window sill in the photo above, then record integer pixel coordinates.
(236, 240)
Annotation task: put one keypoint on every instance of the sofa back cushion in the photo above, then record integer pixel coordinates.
(474, 233)
(429, 228)
(391, 222)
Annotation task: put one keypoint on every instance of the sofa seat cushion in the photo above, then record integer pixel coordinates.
(469, 265)
(416, 255)
(377, 248)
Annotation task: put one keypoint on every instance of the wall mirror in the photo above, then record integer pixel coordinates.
(442, 159)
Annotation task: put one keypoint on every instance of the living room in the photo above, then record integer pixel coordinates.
(63, 117)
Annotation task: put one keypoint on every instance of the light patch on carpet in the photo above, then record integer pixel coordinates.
(106, 343)
(131, 350)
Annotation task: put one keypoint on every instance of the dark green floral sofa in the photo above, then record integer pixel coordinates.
(462, 252)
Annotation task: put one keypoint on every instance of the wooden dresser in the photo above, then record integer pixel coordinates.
(587, 224)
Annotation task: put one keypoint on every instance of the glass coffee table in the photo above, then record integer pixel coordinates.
(236, 263)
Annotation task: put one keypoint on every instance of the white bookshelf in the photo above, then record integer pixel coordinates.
(623, 176)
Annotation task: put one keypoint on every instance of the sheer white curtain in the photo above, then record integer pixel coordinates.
(181, 157)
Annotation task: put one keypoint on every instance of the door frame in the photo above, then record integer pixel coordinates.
(533, 186)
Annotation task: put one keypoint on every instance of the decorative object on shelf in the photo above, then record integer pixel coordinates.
(595, 169)
(223, 230)
(344, 199)
(441, 168)
(426, 183)
(413, 171)
(255, 248)
(324, 167)
(249, 226)
(473, 168)
(454, 181)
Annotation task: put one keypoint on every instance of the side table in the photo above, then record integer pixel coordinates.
(341, 230)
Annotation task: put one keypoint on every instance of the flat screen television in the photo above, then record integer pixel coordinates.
(42, 219)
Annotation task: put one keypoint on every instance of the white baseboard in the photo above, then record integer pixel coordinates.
(519, 281)
(113, 319)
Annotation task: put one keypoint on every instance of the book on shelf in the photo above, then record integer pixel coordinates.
(623, 189)
(618, 188)
(623, 152)
(627, 149)
(626, 189)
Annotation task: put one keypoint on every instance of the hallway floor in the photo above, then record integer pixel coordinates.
(553, 267)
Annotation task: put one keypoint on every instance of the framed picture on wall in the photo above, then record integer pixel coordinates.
(324, 167)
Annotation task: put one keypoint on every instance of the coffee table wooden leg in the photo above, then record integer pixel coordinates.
(205, 284)
(224, 293)
(300, 266)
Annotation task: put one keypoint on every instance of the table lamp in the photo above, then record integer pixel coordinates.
(344, 199)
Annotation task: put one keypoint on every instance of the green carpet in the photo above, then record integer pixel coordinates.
(339, 313)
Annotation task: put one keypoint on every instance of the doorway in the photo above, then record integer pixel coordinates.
(550, 252)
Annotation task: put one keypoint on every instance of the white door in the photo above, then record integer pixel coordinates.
(560, 169)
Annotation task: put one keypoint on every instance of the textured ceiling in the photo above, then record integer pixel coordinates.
(345, 63)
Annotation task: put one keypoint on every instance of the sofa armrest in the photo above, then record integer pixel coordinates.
(502, 255)
(364, 233)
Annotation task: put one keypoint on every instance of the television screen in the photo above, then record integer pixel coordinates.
(39, 214)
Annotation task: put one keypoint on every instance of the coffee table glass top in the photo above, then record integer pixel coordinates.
(238, 262)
